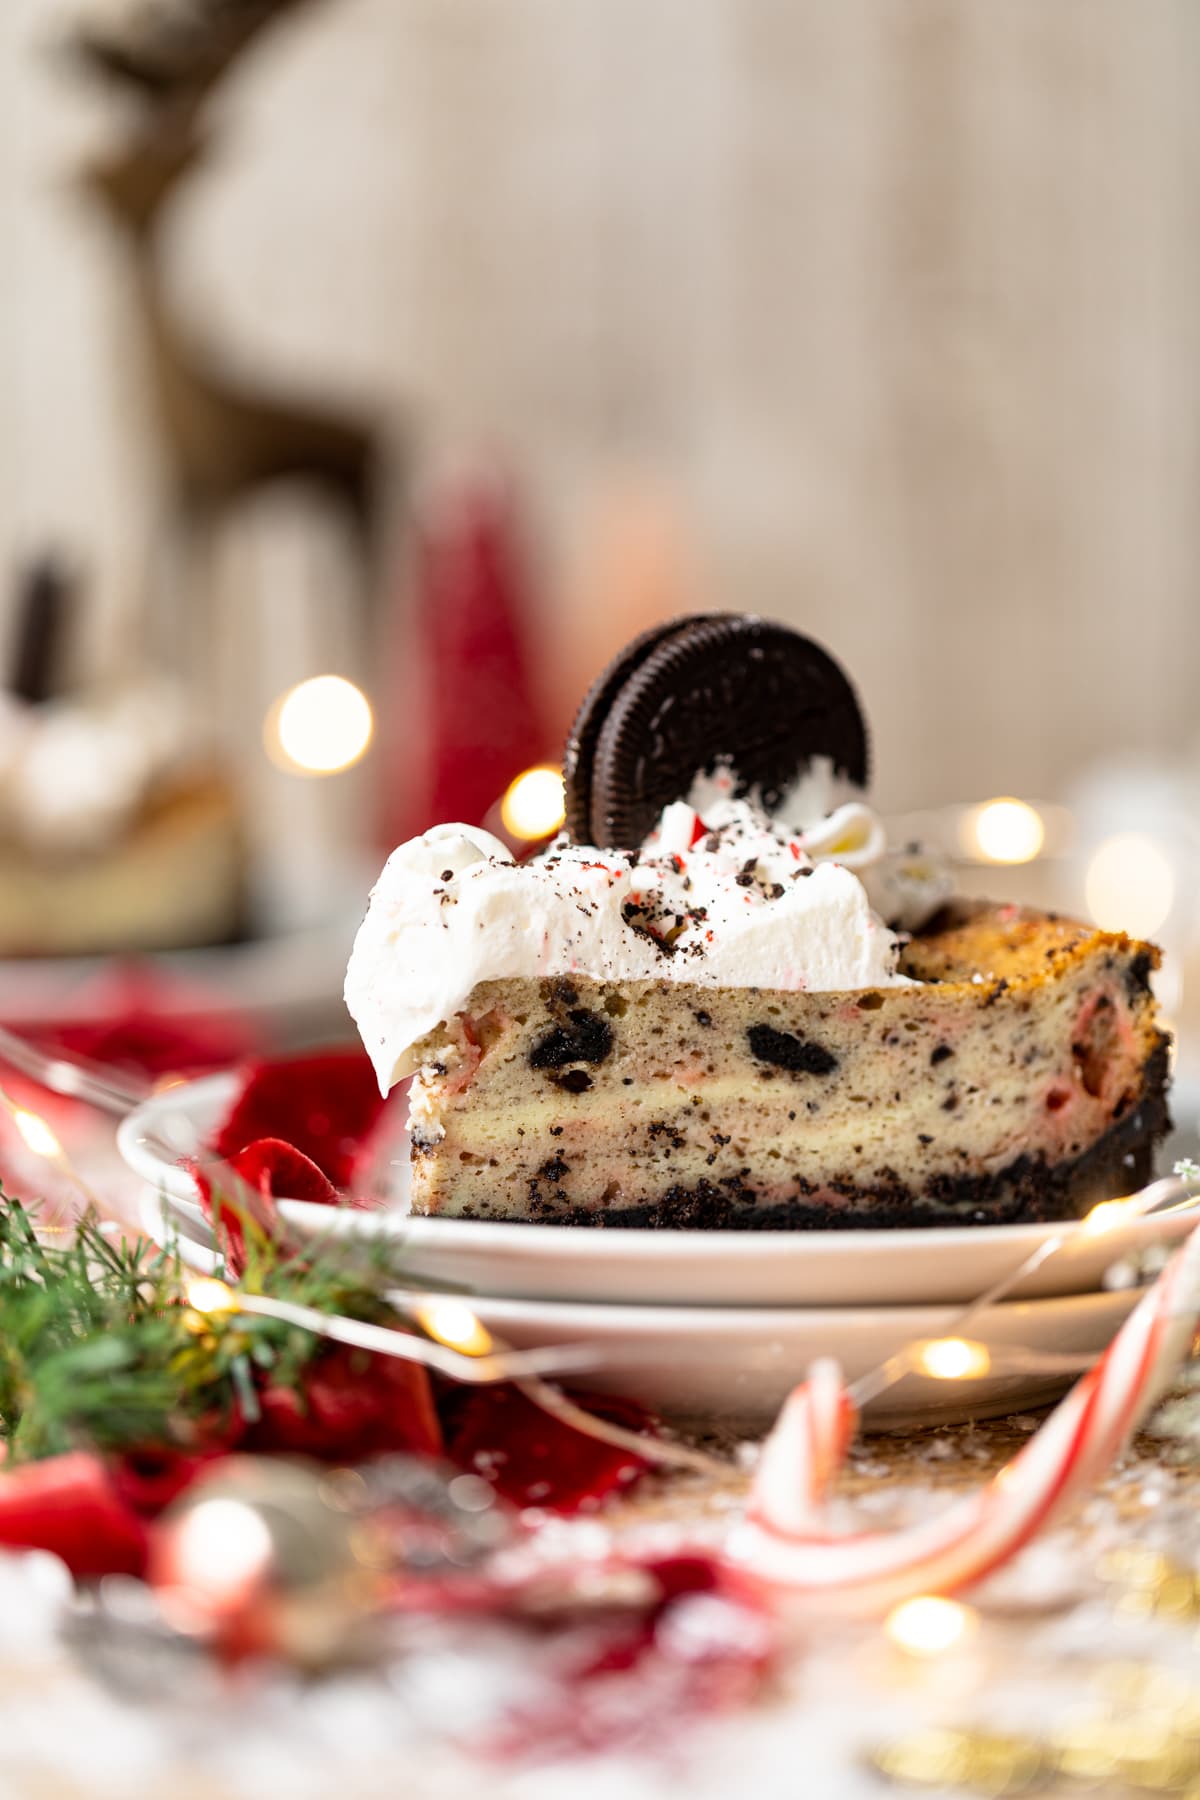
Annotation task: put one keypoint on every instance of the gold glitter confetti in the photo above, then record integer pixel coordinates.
(1142, 1733)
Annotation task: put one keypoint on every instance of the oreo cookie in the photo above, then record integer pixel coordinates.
(579, 756)
(697, 692)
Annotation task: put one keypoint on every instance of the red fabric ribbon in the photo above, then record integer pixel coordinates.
(531, 1458)
(271, 1170)
(325, 1104)
(140, 1019)
(70, 1506)
(351, 1406)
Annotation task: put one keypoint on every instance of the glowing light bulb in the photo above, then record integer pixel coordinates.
(36, 1133)
(928, 1625)
(1106, 1216)
(319, 727)
(1004, 831)
(207, 1295)
(954, 1359)
(454, 1324)
(534, 805)
(1130, 885)
(219, 1549)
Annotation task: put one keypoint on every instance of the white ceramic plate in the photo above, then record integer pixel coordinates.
(673, 1268)
(740, 1363)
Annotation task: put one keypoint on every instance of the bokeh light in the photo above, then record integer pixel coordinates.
(953, 1359)
(36, 1133)
(1004, 831)
(208, 1295)
(1130, 885)
(453, 1323)
(319, 727)
(220, 1549)
(929, 1625)
(534, 805)
(1109, 1215)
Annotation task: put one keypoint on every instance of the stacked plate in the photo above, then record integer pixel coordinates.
(717, 1324)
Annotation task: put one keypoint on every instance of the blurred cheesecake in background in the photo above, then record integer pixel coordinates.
(119, 829)
(114, 834)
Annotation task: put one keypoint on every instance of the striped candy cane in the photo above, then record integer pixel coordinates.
(782, 1539)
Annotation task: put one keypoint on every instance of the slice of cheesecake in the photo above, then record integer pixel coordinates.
(174, 877)
(1024, 1077)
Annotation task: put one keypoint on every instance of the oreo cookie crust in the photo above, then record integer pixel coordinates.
(704, 691)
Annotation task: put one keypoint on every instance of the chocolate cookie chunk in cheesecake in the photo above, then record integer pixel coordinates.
(719, 1026)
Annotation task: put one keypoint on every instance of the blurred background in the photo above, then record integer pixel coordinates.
(440, 345)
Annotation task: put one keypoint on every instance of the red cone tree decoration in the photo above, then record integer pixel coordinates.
(484, 720)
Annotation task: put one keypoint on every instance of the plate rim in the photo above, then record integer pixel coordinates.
(728, 1320)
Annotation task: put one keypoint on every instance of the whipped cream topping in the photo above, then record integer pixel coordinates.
(908, 886)
(726, 897)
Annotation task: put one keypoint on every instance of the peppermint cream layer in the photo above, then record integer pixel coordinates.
(728, 899)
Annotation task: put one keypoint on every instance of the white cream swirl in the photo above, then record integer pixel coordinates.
(727, 898)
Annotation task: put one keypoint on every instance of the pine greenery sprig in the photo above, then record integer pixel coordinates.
(98, 1345)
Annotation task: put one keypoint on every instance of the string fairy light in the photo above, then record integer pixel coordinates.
(785, 1536)
(37, 1134)
(952, 1359)
(461, 1347)
(71, 1076)
(534, 805)
(319, 727)
(1105, 1216)
(936, 1356)
(38, 1138)
(213, 1298)
(1130, 885)
(451, 1322)
(454, 1356)
(929, 1624)
(83, 1081)
(1003, 831)
(209, 1297)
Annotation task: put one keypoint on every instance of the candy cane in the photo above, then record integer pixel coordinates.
(782, 1539)
(803, 1455)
